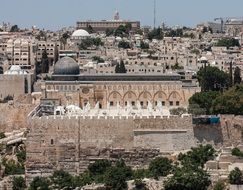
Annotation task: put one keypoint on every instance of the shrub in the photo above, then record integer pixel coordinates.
(160, 167)
(237, 152)
(18, 183)
(235, 177)
(39, 183)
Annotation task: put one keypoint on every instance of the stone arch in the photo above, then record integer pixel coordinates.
(160, 96)
(129, 97)
(144, 97)
(175, 99)
(114, 98)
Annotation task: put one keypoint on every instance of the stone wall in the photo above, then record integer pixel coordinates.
(14, 117)
(71, 143)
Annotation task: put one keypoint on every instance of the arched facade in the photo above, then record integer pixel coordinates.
(144, 97)
(129, 98)
(160, 96)
(115, 98)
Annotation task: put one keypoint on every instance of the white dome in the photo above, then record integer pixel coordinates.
(80, 33)
(15, 70)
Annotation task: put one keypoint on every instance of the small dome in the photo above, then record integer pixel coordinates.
(66, 66)
(80, 33)
(15, 70)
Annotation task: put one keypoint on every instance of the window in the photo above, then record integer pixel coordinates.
(141, 103)
(177, 103)
(111, 103)
(133, 103)
(52, 141)
(171, 103)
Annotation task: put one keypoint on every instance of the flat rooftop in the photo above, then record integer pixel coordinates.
(116, 77)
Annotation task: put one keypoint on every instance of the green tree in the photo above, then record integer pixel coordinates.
(90, 29)
(160, 167)
(39, 183)
(122, 67)
(230, 102)
(235, 177)
(220, 185)
(18, 183)
(99, 167)
(2, 135)
(116, 176)
(156, 34)
(237, 76)
(197, 157)
(204, 100)
(228, 42)
(237, 152)
(98, 59)
(13, 168)
(212, 79)
(124, 45)
(117, 68)
(62, 179)
(144, 45)
(176, 67)
(109, 32)
(44, 62)
(188, 179)
(14, 28)
(140, 185)
(64, 38)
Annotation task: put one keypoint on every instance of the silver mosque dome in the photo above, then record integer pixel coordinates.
(66, 66)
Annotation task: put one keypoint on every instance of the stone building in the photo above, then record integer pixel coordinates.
(122, 89)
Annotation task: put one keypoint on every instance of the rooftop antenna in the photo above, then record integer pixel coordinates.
(154, 13)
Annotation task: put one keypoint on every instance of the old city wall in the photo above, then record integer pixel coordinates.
(14, 117)
(71, 143)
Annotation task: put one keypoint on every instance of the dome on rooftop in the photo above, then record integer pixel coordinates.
(80, 33)
(15, 70)
(66, 66)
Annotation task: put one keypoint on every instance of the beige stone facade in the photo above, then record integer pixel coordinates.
(170, 93)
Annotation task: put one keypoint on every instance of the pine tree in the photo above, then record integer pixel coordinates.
(122, 67)
(117, 69)
(237, 76)
(44, 62)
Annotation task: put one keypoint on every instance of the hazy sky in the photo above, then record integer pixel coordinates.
(53, 14)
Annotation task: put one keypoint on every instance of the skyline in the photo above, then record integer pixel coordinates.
(56, 14)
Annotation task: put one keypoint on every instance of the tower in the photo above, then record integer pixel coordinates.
(154, 13)
(116, 16)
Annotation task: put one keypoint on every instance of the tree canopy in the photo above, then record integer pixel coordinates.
(160, 166)
(188, 179)
(124, 45)
(228, 42)
(237, 76)
(120, 67)
(230, 102)
(156, 34)
(212, 79)
(44, 62)
(235, 177)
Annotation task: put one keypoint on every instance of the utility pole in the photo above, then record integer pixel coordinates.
(154, 13)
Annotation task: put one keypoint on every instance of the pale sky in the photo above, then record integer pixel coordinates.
(53, 14)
